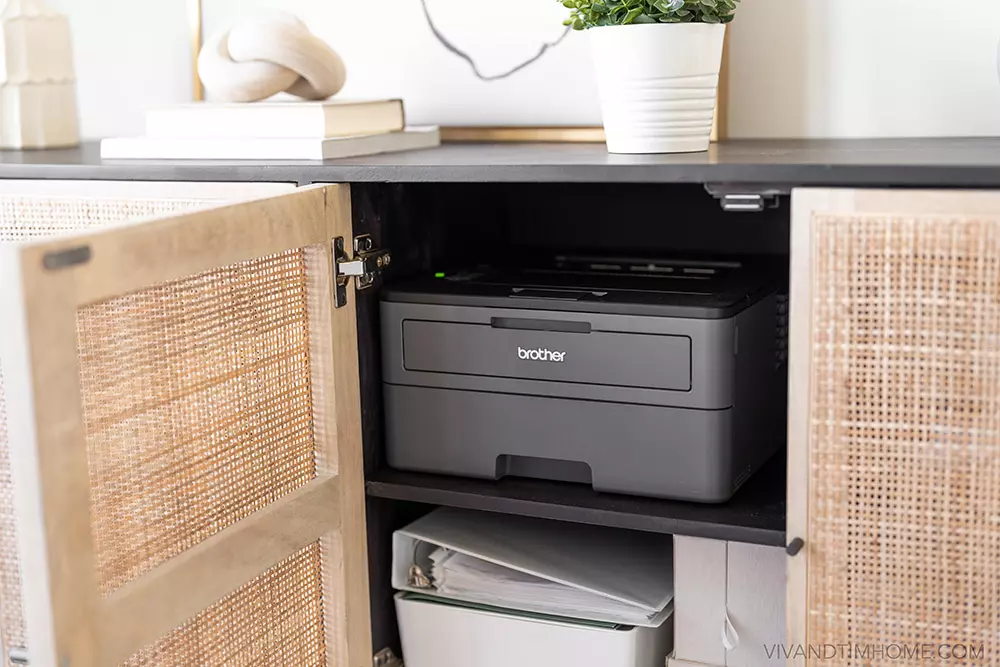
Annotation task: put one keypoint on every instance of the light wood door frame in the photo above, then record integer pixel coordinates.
(41, 287)
(228, 191)
(807, 205)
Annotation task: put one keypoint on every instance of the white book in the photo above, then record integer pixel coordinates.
(292, 119)
(537, 565)
(156, 148)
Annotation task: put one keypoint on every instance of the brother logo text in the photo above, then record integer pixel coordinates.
(541, 354)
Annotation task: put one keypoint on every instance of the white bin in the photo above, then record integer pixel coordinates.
(441, 635)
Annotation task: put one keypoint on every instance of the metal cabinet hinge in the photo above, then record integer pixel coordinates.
(367, 262)
(386, 658)
(743, 203)
(745, 198)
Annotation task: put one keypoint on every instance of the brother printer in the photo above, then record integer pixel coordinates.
(651, 378)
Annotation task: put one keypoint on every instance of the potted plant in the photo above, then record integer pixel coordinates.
(657, 64)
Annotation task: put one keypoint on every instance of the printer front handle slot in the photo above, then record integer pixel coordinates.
(555, 294)
(528, 324)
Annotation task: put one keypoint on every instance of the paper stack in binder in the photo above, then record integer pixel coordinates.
(602, 592)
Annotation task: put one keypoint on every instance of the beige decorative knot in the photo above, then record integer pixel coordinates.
(263, 56)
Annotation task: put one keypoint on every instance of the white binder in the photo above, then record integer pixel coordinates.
(537, 565)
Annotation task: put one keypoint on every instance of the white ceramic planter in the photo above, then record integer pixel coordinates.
(658, 84)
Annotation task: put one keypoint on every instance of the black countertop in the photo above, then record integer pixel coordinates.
(773, 163)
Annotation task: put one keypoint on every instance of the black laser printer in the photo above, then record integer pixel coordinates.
(654, 378)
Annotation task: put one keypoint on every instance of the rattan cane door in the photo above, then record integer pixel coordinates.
(183, 411)
(894, 427)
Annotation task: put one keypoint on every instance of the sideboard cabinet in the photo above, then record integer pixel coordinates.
(191, 464)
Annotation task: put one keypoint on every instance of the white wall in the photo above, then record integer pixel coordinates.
(863, 68)
(799, 67)
(129, 55)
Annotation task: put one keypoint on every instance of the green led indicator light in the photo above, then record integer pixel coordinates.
(439, 274)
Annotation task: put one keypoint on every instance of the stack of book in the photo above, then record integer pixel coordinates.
(273, 131)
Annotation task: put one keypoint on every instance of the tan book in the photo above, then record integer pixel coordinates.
(275, 120)
(159, 148)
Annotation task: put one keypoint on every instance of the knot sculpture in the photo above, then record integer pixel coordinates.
(264, 56)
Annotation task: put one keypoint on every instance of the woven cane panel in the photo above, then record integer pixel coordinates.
(904, 500)
(25, 218)
(42, 217)
(10, 575)
(276, 620)
(197, 406)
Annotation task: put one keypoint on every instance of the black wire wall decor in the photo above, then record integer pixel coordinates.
(450, 46)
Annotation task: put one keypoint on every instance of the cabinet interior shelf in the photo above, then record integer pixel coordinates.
(756, 514)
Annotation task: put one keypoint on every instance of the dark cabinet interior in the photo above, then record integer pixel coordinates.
(443, 227)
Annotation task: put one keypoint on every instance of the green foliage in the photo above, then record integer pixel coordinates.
(593, 13)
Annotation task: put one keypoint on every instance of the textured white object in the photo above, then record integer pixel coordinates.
(262, 56)
(727, 592)
(440, 635)
(658, 85)
(37, 81)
